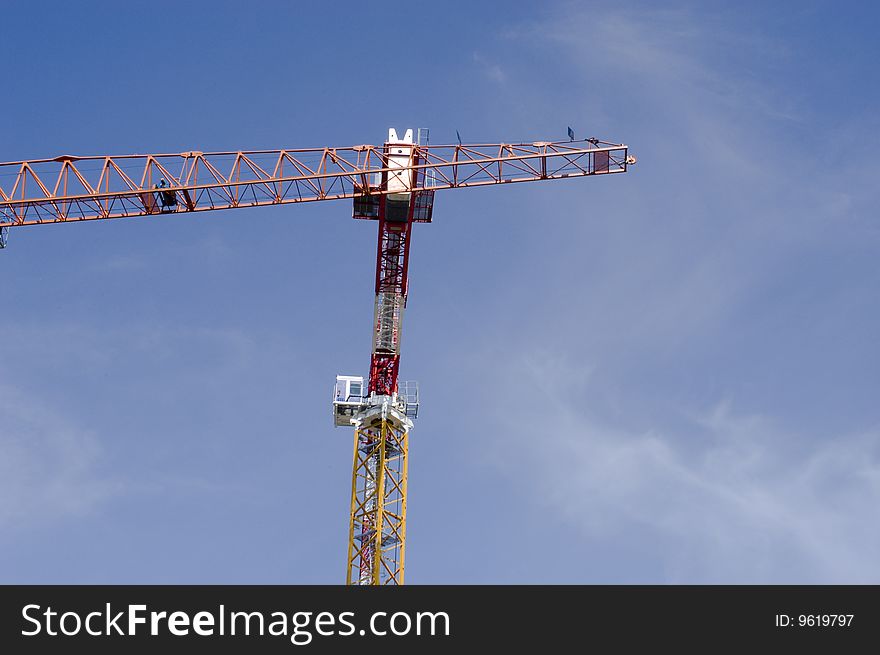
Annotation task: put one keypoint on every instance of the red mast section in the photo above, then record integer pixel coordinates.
(398, 208)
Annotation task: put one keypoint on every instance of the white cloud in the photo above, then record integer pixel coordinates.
(726, 497)
(50, 467)
(712, 234)
(204, 249)
(490, 69)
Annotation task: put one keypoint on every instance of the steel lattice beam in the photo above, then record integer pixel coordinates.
(67, 188)
(377, 528)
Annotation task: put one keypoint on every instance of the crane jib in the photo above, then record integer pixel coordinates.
(70, 189)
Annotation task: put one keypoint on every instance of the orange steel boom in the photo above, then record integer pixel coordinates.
(69, 188)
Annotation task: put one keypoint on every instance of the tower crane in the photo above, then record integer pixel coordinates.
(393, 184)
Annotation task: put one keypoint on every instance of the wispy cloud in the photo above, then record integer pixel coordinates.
(54, 465)
(714, 234)
(50, 466)
(489, 68)
(205, 249)
(725, 496)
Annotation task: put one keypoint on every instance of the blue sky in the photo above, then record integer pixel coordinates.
(669, 376)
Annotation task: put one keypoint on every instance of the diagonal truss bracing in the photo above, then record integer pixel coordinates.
(377, 526)
(67, 188)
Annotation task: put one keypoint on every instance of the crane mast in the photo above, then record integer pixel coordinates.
(383, 418)
(393, 184)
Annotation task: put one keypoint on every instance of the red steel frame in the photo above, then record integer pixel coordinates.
(392, 268)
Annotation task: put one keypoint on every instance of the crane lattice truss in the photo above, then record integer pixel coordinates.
(377, 528)
(69, 188)
(393, 184)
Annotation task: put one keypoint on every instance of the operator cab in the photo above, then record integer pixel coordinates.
(349, 395)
